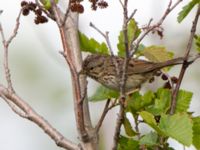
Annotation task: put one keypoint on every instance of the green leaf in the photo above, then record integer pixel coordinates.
(197, 43)
(196, 132)
(157, 53)
(138, 102)
(128, 128)
(103, 93)
(127, 144)
(149, 139)
(148, 98)
(162, 102)
(177, 126)
(91, 45)
(133, 32)
(186, 10)
(134, 102)
(183, 101)
(47, 3)
(149, 119)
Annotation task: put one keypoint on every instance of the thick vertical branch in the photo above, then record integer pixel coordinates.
(185, 64)
(72, 54)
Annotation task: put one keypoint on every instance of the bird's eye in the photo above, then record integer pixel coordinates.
(91, 68)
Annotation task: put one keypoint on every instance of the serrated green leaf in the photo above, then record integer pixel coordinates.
(148, 98)
(127, 144)
(149, 139)
(186, 10)
(197, 43)
(157, 53)
(134, 102)
(177, 126)
(149, 119)
(183, 101)
(47, 3)
(138, 102)
(91, 45)
(162, 102)
(196, 132)
(133, 32)
(128, 128)
(103, 93)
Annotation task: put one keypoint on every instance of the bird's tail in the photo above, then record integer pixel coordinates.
(176, 61)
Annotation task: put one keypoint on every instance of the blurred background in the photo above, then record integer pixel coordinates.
(41, 76)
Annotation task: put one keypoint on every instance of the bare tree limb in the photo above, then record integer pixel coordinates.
(68, 55)
(105, 111)
(132, 14)
(185, 64)
(105, 35)
(6, 44)
(31, 115)
(66, 13)
(123, 78)
(169, 9)
(72, 55)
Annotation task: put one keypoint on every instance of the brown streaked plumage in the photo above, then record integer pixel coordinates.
(102, 69)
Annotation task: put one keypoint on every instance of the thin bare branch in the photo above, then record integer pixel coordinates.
(169, 9)
(6, 44)
(66, 13)
(132, 15)
(185, 64)
(105, 110)
(31, 115)
(14, 107)
(123, 78)
(56, 13)
(105, 35)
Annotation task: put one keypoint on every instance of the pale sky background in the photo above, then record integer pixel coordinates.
(41, 77)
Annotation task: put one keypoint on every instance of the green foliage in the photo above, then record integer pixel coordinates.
(157, 53)
(47, 3)
(149, 139)
(186, 10)
(127, 144)
(154, 107)
(197, 43)
(91, 45)
(161, 102)
(137, 102)
(150, 120)
(183, 101)
(133, 32)
(177, 126)
(196, 132)
(103, 93)
(128, 128)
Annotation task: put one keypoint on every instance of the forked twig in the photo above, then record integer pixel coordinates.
(6, 44)
(105, 111)
(169, 9)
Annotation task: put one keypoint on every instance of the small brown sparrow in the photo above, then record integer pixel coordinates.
(102, 69)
